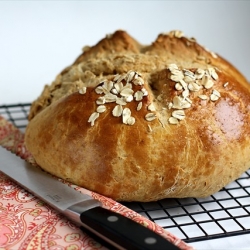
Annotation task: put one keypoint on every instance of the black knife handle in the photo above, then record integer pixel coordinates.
(122, 232)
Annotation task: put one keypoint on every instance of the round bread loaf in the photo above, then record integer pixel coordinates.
(143, 123)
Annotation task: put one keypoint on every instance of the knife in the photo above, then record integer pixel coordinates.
(118, 231)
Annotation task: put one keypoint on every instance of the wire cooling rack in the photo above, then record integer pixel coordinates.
(226, 213)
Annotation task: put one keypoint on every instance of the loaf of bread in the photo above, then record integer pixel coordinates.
(143, 123)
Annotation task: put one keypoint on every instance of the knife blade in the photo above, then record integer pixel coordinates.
(117, 230)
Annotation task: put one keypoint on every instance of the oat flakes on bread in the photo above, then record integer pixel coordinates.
(143, 123)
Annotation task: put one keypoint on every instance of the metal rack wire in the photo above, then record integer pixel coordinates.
(226, 213)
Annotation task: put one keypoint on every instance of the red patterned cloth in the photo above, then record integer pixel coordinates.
(28, 223)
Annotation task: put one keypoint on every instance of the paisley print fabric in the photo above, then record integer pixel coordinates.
(28, 223)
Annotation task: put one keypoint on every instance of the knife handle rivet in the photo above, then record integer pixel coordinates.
(112, 218)
(150, 240)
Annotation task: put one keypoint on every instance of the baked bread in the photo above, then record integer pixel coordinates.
(143, 123)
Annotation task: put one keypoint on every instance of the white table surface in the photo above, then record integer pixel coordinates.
(241, 242)
(40, 38)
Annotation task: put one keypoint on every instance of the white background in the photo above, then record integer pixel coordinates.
(40, 38)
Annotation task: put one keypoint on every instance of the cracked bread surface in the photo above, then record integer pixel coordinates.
(144, 122)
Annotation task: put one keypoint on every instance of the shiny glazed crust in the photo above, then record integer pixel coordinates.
(184, 133)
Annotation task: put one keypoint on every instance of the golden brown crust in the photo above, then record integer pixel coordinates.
(119, 53)
(146, 160)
